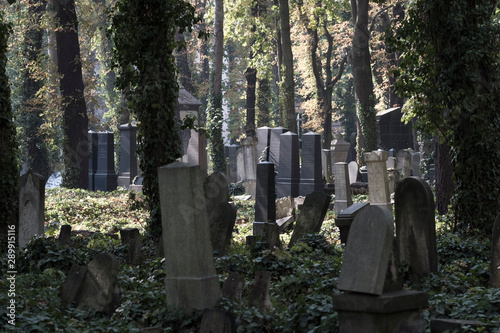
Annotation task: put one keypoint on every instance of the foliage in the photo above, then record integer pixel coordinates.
(143, 35)
(449, 67)
(214, 126)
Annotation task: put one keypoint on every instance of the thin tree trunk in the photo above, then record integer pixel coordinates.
(444, 181)
(287, 84)
(279, 61)
(251, 77)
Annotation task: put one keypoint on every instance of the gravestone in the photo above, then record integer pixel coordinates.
(391, 163)
(105, 178)
(285, 207)
(93, 144)
(392, 132)
(288, 169)
(416, 227)
(128, 155)
(221, 223)
(240, 165)
(249, 145)
(311, 216)
(65, 234)
(31, 206)
(404, 162)
(367, 253)
(326, 162)
(196, 151)
(216, 320)
(344, 219)
(392, 152)
(311, 179)
(340, 149)
(274, 145)
(342, 187)
(72, 284)
(495, 255)
(191, 281)
(378, 184)
(99, 288)
(265, 205)
(415, 165)
(353, 171)
(216, 191)
(259, 296)
(264, 139)
(232, 155)
(132, 238)
(233, 287)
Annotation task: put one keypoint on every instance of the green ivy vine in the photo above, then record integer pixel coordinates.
(215, 120)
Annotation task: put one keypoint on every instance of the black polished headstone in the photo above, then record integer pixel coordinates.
(265, 200)
(289, 170)
(311, 178)
(128, 154)
(93, 137)
(105, 178)
(232, 154)
(264, 138)
(274, 145)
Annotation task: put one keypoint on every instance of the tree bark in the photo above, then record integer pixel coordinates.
(287, 98)
(444, 181)
(251, 77)
(183, 65)
(279, 61)
(218, 47)
(75, 120)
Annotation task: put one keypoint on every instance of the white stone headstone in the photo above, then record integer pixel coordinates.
(31, 206)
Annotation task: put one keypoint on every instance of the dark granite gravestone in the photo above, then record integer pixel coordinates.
(31, 206)
(415, 164)
(311, 178)
(259, 296)
(93, 143)
(311, 217)
(105, 178)
(132, 238)
(394, 133)
(232, 154)
(416, 227)
(128, 154)
(288, 180)
(274, 145)
(495, 255)
(344, 219)
(191, 280)
(265, 204)
(233, 287)
(264, 140)
(65, 234)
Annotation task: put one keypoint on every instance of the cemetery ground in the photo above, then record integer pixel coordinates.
(303, 277)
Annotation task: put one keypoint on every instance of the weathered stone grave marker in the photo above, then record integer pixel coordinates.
(128, 154)
(340, 149)
(191, 281)
(233, 287)
(31, 206)
(311, 178)
(249, 146)
(105, 178)
(132, 238)
(274, 145)
(416, 227)
(344, 219)
(378, 183)
(343, 197)
(65, 234)
(259, 296)
(353, 171)
(288, 167)
(264, 140)
(404, 162)
(415, 164)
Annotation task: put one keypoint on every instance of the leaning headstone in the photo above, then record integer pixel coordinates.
(233, 287)
(404, 162)
(191, 281)
(344, 219)
(93, 144)
(311, 216)
(105, 178)
(274, 145)
(216, 191)
(221, 222)
(343, 197)
(31, 206)
(264, 139)
(415, 164)
(265, 205)
(495, 255)
(249, 145)
(311, 178)
(98, 290)
(353, 172)
(259, 296)
(128, 155)
(65, 234)
(378, 182)
(132, 238)
(215, 320)
(367, 253)
(289, 168)
(72, 284)
(416, 227)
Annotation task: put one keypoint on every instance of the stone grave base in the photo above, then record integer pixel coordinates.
(457, 325)
(392, 312)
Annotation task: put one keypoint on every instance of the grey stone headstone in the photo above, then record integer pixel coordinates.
(98, 290)
(216, 191)
(353, 171)
(233, 287)
(274, 145)
(416, 226)
(191, 281)
(232, 154)
(264, 137)
(240, 165)
(132, 238)
(93, 144)
(343, 197)
(72, 284)
(311, 178)
(249, 146)
(31, 206)
(378, 181)
(65, 234)
(221, 223)
(495, 255)
(344, 219)
(259, 296)
(128, 154)
(368, 251)
(415, 165)
(311, 217)
(215, 320)
(391, 163)
(326, 162)
(105, 178)
(404, 162)
(340, 149)
(289, 168)
(284, 207)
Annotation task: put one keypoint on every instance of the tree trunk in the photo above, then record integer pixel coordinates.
(251, 77)
(75, 120)
(218, 47)
(363, 84)
(287, 84)
(183, 65)
(279, 61)
(444, 181)
(264, 102)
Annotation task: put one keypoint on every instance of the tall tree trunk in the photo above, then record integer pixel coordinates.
(218, 47)
(444, 181)
(251, 77)
(75, 120)
(362, 73)
(264, 102)
(287, 98)
(398, 13)
(279, 61)
(183, 65)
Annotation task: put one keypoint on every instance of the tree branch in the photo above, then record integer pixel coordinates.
(372, 24)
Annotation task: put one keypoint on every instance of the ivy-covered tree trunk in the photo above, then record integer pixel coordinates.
(444, 181)
(251, 77)
(9, 182)
(287, 87)
(75, 120)
(264, 103)
(362, 73)
(32, 107)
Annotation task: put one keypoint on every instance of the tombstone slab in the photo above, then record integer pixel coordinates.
(495, 255)
(378, 182)
(289, 168)
(132, 238)
(105, 178)
(340, 149)
(31, 206)
(128, 154)
(265, 202)
(264, 140)
(311, 177)
(343, 197)
(274, 145)
(249, 146)
(344, 219)
(285, 207)
(221, 223)
(353, 171)
(367, 253)
(326, 162)
(233, 287)
(259, 296)
(65, 234)
(416, 226)
(415, 165)
(72, 284)
(404, 162)
(191, 281)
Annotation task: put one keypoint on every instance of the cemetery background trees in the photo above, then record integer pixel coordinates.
(449, 68)
(144, 35)
(287, 86)
(75, 119)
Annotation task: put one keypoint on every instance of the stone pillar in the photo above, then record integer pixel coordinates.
(342, 187)
(105, 178)
(404, 162)
(378, 184)
(264, 137)
(249, 145)
(93, 144)
(232, 155)
(31, 206)
(311, 179)
(288, 170)
(191, 281)
(128, 154)
(340, 149)
(265, 198)
(274, 145)
(326, 162)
